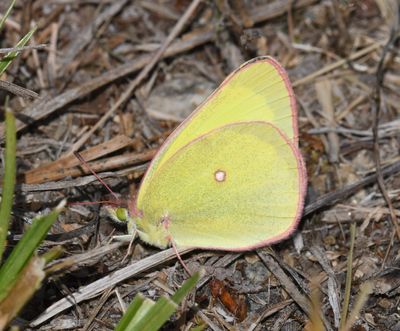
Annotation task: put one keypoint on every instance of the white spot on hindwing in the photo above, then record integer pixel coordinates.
(220, 175)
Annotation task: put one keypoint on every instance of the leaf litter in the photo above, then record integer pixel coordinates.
(104, 91)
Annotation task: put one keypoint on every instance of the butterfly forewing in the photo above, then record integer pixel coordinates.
(258, 91)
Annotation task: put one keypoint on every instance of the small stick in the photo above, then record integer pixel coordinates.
(332, 198)
(18, 90)
(19, 49)
(337, 64)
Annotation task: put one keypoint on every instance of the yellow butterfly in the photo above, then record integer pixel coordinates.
(231, 176)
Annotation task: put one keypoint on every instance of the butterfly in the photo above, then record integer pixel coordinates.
(231, 176)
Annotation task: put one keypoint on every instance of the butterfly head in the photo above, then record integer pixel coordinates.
(155, 234)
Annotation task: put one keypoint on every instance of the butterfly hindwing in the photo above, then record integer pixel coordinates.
(237, 187)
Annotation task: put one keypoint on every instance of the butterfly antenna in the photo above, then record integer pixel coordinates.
(82, 160)
(85, 203)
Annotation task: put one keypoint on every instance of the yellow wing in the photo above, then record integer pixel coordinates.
(258, 91)
(237, 187)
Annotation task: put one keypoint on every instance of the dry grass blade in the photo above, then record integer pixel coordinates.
(20, 49)
(276, 8)
(103, 165)
(78, 260)
(366, 290)
(315, 322)
(324, 95)
(394, 40)
(349, 277)
(28, 282)
(333, 290)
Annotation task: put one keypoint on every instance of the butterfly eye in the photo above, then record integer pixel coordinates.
(121, 214)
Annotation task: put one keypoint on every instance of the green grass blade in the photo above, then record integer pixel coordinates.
(9, 178)
(157, 315)
(163, 309)
(25, 249)
(185, 288)
(140, 313)
(6, 61)
(5, 16)
(130, 313)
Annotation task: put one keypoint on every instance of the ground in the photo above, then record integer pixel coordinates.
(116, 77)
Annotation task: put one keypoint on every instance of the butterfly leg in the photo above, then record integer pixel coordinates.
(129, 250)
